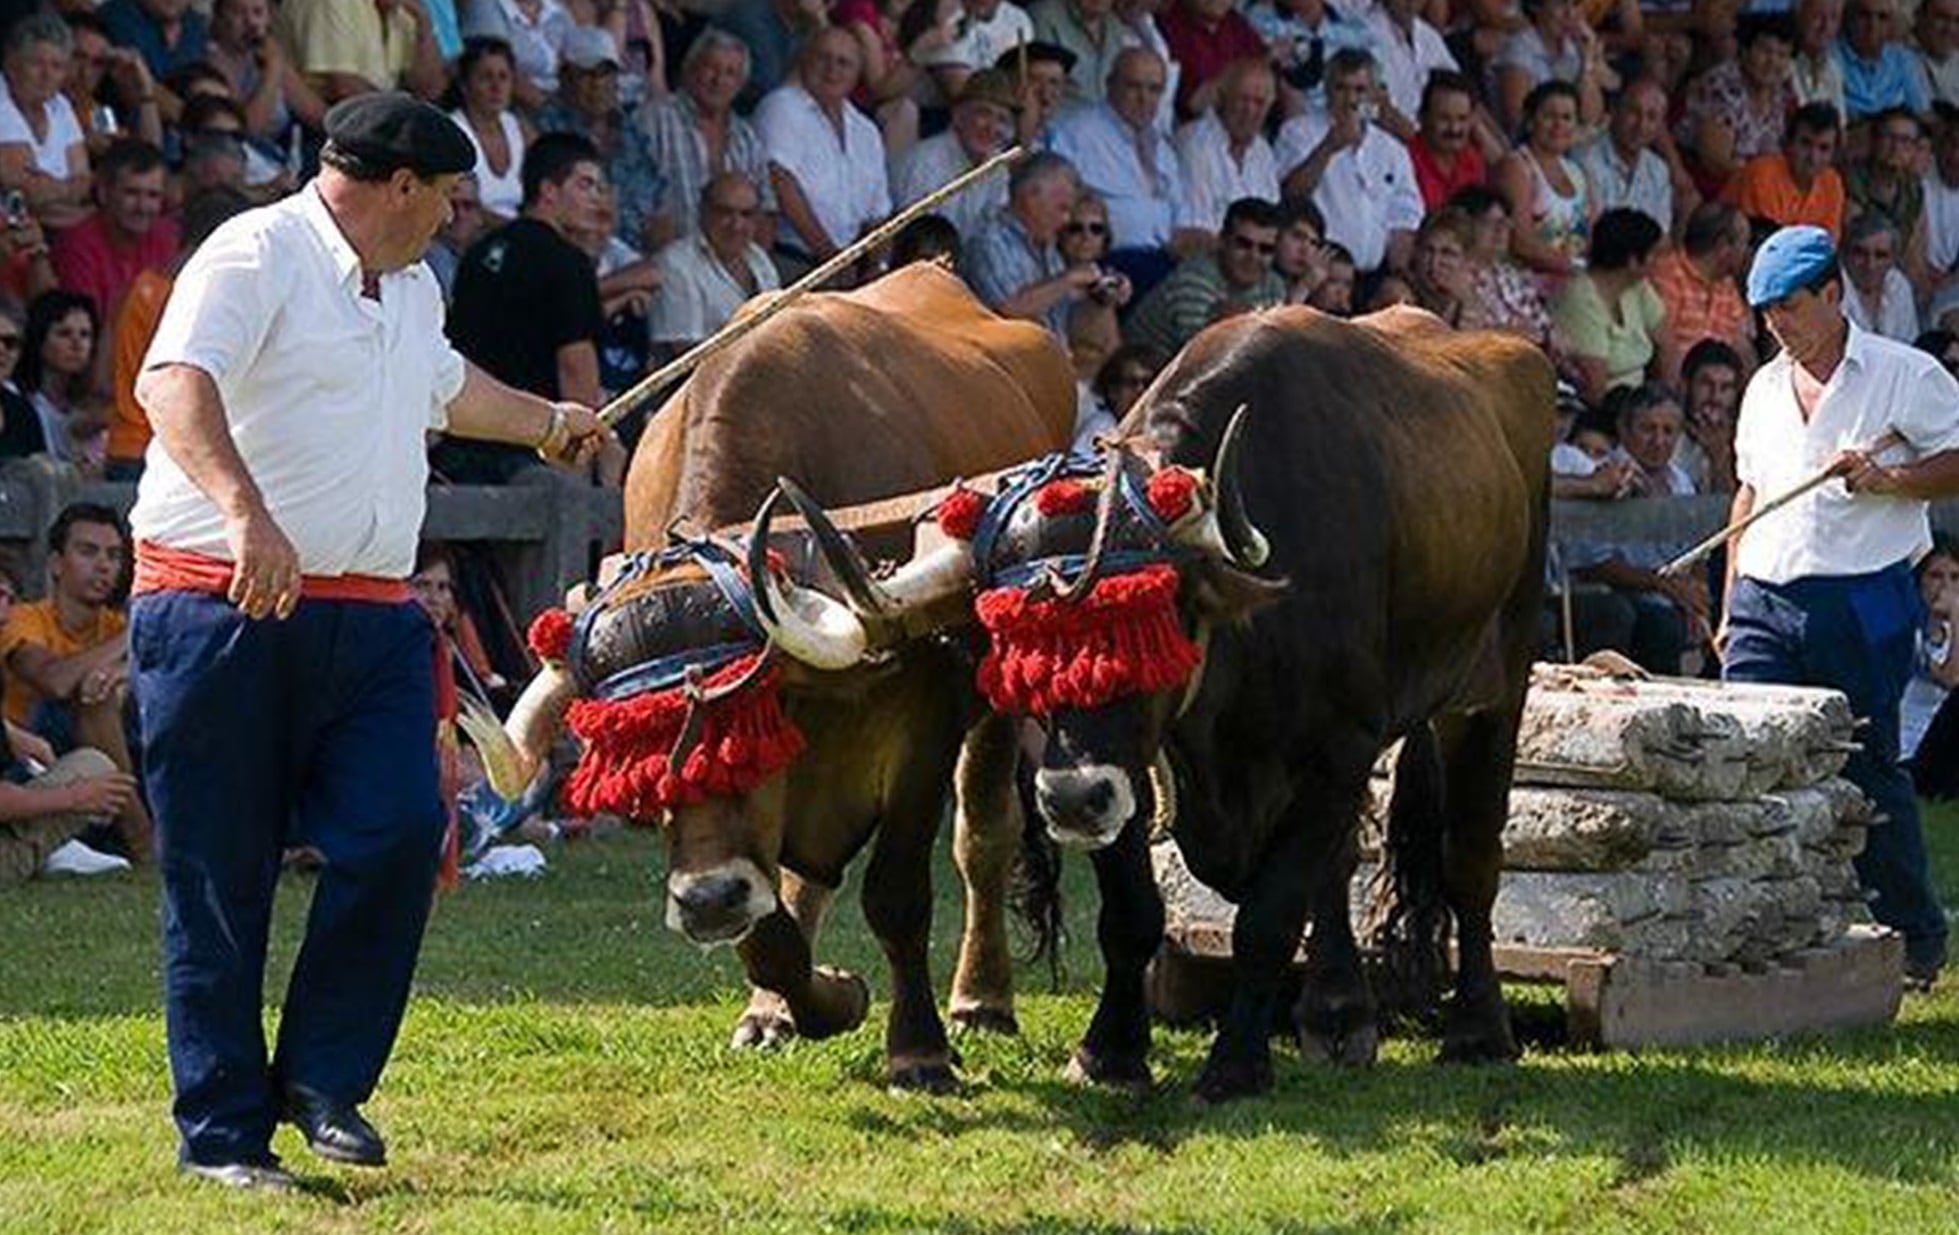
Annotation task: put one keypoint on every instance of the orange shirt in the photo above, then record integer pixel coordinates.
(1763, 189)
(37, 623)
(1698, 308)
(142, 309)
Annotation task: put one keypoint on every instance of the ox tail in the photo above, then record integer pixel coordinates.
(1036, 895)
(1406, 919)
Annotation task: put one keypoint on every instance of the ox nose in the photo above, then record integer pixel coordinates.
(1084, 807)
(712, 907)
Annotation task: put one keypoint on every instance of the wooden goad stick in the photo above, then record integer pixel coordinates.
(658, 380)
(1705, 547)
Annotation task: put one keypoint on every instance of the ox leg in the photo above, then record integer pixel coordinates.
(822, 1003)
(1115, 1050)
(1336, 1016)
(766, 1022)
(1264, 939)
(985, 838)
(1478, 754)
(898, 906)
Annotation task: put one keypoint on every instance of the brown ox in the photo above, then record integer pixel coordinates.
(903, 385)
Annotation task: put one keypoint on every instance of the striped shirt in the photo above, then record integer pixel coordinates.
(673, 128)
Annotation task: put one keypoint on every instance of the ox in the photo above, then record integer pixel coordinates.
(1363, 564)
(754, 715)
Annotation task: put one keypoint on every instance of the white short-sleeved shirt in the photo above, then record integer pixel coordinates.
(843, 180)
(1880, 385)
(64, 131)
(1406, 60)
(1144, 210)
(697, 294)
(1366, 193)
(328, 394)
(934, 162)
(1213, 179)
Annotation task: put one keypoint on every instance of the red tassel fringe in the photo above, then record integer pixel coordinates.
(744, 740)
(1122, 639)
(550, 635)
(1171, 491)
(1063, 497)
(959, 513)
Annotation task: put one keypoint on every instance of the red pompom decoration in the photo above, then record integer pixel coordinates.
(626, 767)
(1171, 492)
(1122, 639)
(550, 635)
(1064, 497)
(959, 513)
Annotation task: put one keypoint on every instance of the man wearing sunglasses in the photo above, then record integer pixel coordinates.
(1208, 287)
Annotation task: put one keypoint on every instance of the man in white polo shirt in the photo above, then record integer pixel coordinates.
(296, 370)
(1355, 171)
(706, 276)
(1821, 592)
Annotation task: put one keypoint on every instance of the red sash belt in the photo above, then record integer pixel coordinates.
(160, 568)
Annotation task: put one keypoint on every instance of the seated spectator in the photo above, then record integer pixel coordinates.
(1555, 43)
(1551, 205)
(1653, 618)
(136, 323)
(1586, 463)
(1439, 273)
(534, 30)
(25, 267)
(1938, 50)
(706, 276)
(1334, 293)
(1941, 193)
(927, 238)
(587, 104)
(466, 223)
(1736, 111)
(1941, 343)
(1301, 257)
(1209, 287)
(1040, 75)
(1205, 37)
(1815, 73)
(826, 160)
(43, 151)
(1876, 294)
(628, 283)
(1223, 153)
(893, 39)
(350, 47)
(982, 124)
(1502, 294)
(1013, 263)
(1302, 35)
(109, 87)
(1626, 167)
(128, 233)
(1406, 50)
(1086, 30)
(168, 34)
(1084, 241)
(1120, 154)
(1713, 375)
(774, 33)
(1798, 184)
(57, 368)
(526, 307)
(1926, 743)
(1878, 73)
(696, 135)
(1123, 377)
(20, 425)
(1609, 316)
(485, 75)
(67, 656)
(988, 31)
(1355, 172)
(275, 96)
(1452, 150)
(214, 157)
(1887, 181)
(1696, 282)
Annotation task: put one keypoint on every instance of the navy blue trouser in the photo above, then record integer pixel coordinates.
(320, 727)
(1853, 633)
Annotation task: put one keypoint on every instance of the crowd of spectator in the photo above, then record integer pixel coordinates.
(1590, 174)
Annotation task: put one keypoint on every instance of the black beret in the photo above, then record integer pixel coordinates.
(391, 130)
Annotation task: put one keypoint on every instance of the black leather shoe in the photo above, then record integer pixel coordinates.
(267, 1176)
(333, 1129)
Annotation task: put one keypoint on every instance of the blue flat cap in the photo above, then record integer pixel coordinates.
(1788, 262)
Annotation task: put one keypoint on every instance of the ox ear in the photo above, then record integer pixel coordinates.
(1222, 594)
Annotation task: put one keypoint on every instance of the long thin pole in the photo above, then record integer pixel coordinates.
(1705, 547)
(658, 380)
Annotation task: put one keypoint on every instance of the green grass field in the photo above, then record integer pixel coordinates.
(565, 1068)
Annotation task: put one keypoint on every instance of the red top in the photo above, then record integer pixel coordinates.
(1203, 52)
(1438, 186)
(87, 260)
(160, 568)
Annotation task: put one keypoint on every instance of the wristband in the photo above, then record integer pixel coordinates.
(557, 435)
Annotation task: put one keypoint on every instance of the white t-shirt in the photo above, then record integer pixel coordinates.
(697, 294)
(64, 131)
(328, 394)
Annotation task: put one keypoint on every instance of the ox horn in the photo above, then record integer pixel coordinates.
(916, 587)
(838, 550)
(513, 753)
(1105, 505)
(1242, 539)
(804, 623)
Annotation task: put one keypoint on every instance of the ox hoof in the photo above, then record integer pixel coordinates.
(842, 1000)
(983, 1018)
(1478, 1031)
(1227, 1081)
(927, 1074)
(1126, 1071)
(1354, 1047)
(763, 1031)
